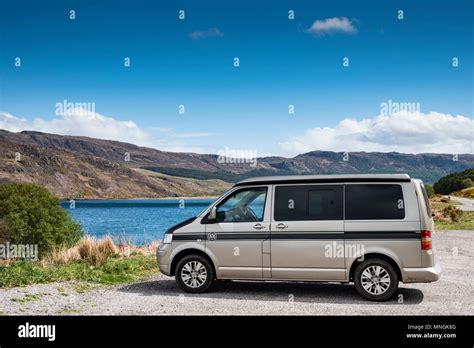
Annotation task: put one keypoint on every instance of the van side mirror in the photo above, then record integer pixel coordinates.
(212, 214)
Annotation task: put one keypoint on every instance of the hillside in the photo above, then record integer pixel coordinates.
(72, 175)
(81, 167)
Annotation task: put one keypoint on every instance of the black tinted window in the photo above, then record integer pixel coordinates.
(316, 202)
(374, 202)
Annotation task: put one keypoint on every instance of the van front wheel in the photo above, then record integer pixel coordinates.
(194, 274)
(376, 280)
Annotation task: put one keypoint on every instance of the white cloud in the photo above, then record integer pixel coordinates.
(81, 122)
(407, 132)
(332, 26)
(402, 132)
(202, 34)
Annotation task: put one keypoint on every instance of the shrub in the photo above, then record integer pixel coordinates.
(34, 216)
(453, 213)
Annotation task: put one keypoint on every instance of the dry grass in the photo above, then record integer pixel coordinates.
(89, 250)
(97, 252)
(62, 256)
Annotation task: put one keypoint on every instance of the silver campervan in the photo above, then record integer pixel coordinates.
(372, 230)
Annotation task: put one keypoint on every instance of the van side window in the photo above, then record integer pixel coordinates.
(245, 205)
(308, 202)
(374, 202)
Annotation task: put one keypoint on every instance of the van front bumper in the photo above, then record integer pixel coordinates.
(421, 275)
(163, 259)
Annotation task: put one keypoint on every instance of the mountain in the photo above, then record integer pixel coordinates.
(81, 167)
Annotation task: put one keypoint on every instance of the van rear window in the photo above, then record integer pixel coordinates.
(374, 202)
(426, 199)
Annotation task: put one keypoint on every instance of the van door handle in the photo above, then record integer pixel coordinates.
(281, 226)
(258, 227)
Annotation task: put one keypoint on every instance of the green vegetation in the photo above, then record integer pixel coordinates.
(221, 175)
(114, 271)
(70, 311)
(33, 216)
(429, 190)
(26, 298)
(455, 182)
(448, 217)
(465, 222)
(195, 173)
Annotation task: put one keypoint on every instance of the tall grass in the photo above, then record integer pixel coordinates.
(96, 251)
(93, 260)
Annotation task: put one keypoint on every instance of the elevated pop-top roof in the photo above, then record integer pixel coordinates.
(291, 179)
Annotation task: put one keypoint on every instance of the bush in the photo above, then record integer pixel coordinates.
(453, 213)
(34, 216)
(454, 182)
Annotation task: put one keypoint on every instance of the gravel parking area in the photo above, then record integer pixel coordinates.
(159, 295)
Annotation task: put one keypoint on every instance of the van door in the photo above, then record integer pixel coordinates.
(307, 232)
(235, 238)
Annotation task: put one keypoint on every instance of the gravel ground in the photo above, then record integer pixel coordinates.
(159, 295)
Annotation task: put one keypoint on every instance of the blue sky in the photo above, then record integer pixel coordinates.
(281, 63)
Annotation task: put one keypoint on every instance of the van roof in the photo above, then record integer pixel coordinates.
(291, 179)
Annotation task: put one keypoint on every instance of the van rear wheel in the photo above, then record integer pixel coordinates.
(194, 274)
(376, 280)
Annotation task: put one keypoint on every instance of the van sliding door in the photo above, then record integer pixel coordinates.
(307, 232)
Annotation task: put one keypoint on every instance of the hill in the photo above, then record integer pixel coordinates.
(82, 167)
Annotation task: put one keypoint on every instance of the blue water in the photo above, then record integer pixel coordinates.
(135, 221)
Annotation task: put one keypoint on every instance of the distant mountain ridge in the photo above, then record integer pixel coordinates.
(82, 167)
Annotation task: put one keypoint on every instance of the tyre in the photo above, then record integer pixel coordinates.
(194, 274)
(376, 280)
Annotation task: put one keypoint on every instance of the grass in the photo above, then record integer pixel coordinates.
(97, 252)
(112, 271)
(89, 261)
(70, 311)
(27, 298)
(466, 222)
(82, 287)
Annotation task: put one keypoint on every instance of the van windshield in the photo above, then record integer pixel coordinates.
(427, 200)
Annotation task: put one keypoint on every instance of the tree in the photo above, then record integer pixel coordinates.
(34, 216)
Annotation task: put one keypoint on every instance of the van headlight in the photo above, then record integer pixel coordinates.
(168, 238)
